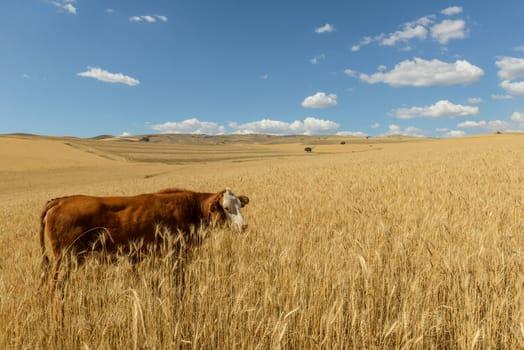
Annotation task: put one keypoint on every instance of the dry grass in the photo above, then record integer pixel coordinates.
(413, 246)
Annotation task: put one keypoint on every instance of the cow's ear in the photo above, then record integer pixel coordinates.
(216, 203)
(243, 201)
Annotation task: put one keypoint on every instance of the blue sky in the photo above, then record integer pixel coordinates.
(428, 68)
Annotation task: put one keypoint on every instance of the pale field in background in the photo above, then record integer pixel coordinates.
(379, 243)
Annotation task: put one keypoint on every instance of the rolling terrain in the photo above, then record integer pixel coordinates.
(376, 243)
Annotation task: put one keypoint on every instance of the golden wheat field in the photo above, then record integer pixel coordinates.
(375, 244)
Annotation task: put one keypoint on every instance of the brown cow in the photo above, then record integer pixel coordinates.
(76, 223)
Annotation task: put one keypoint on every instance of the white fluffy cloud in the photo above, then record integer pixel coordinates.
(475, 100)
(70, 8)
(264, 126)
(511, 68)
(351, 72)
(501, 97)
(441, 32)
(308, 126)
(452, 10)
(188, 126)
(351, 133)
(394, 129)
(448, 29)
(518, 117)
(148, 18)
(420, 72)
(65, 5)
(316, 59)
(513, 88)
(410, 31)
(326, 28)
(365, 41)
(515, 123)
(441, 109)
(455, 133)
(491, 125)
(470, 124)
(320, 100)
(103, 75)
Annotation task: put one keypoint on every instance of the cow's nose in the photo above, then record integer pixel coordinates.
(244, 227)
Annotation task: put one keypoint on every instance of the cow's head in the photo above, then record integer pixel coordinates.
(225, 209)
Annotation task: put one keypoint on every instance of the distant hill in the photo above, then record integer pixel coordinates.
(102, 137)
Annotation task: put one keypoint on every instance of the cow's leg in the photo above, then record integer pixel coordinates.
(56, 270)
(45, 272)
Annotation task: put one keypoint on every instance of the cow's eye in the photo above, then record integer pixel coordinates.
(227, 209)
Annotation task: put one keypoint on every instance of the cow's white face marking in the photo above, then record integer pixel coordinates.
(232, 204)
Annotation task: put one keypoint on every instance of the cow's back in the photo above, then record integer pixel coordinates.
(77, 221)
